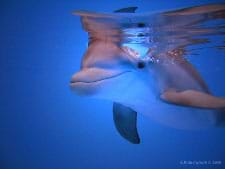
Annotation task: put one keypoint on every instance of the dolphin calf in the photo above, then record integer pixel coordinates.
(163, 86)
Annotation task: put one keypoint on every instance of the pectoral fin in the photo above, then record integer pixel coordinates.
(125, 121)
(194, 98)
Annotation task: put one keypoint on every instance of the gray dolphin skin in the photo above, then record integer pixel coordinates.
(162, 85)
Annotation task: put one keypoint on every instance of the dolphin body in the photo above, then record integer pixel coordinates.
(168, 88)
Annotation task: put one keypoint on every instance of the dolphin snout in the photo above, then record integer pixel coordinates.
(91, 81)
(90, 75)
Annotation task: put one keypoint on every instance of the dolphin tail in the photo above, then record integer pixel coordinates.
(125, 120)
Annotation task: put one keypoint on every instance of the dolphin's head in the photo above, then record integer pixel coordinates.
(109, 71)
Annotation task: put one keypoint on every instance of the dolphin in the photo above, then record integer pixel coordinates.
(163, 86)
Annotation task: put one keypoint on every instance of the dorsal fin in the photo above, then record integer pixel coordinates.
(126, 10)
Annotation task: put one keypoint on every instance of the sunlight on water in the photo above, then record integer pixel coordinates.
(142, 50)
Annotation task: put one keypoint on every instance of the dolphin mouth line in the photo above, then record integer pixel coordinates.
(99, 80)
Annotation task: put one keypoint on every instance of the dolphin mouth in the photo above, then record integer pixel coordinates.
(92, 75)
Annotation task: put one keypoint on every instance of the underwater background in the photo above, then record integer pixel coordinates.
(44, 125)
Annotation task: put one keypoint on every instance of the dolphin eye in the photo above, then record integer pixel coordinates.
(141, 65)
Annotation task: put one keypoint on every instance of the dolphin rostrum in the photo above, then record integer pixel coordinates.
(161, 85)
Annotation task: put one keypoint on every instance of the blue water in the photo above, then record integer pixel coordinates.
(44, 125)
